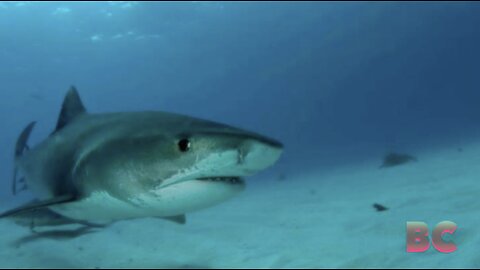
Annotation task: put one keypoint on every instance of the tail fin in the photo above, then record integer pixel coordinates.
(20, 148)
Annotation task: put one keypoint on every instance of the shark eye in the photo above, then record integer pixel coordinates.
(184, 145)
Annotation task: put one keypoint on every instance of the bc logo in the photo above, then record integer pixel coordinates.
(417, 236)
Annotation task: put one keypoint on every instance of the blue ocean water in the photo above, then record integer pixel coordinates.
(337, 83)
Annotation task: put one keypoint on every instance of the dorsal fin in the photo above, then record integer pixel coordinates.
(72, 107)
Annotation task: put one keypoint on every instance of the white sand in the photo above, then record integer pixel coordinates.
(307, 220)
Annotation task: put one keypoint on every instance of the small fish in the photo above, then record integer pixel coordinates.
(379, 207)
(44, 217)
(58, 235)
(395, 159)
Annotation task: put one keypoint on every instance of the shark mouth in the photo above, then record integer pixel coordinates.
(234, 180)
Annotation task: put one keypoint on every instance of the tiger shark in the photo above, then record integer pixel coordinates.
(100, 168)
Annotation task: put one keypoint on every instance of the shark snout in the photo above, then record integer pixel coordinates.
(260, 153)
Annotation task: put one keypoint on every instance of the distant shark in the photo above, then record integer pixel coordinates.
(100, 168)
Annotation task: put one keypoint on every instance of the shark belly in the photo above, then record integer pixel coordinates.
(186, 197)
(98, 207)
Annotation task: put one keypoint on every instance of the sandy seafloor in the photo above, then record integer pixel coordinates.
(312, 219)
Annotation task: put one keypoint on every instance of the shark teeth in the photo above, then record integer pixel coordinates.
(224, 179)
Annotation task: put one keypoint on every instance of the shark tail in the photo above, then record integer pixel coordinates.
(20, 148)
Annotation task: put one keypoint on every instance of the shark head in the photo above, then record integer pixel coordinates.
(168, 164)
(217, 154)
(208, 164)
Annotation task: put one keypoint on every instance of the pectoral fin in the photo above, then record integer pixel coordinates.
(180, 219)
(39, 204)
